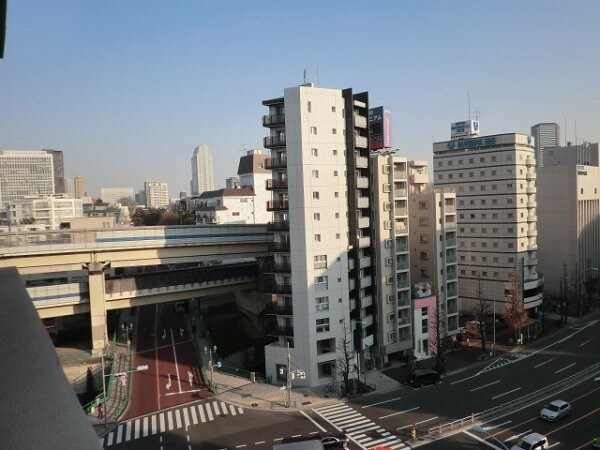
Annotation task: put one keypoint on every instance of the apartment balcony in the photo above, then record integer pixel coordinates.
(450, 243)
(531, 217)
(277, 205)
(360, 121)
(364, 222)
(273, 120)
(276, 184)
(450, 209)
(451, 293)
(362, 202)
(362, 182)
(364, 242)
(399, 212)
(532, 246)
(532, 233)
(273, 267)
(532, 204)
(279, 247)
(530, 162)
(400, 193)
(274, 141)
(283, 225)
(279, 310)
(451, 259)
(452, 309)
(400, 228)
(280, 331)
(276, 163)
(402, 284)
(419, 178)
(403, 301)
(361, 141)
(399, 174)
(365, 262)
(362, 162)
(530, 190)
(366, 321)
(532, 262)
(402, 321)
(278, 289)
(451, 274)
(530, 176)
(365, 282)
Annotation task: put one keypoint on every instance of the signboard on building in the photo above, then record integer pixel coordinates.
(465, 128)
(581, 169)
(380, 128)
(422, 289)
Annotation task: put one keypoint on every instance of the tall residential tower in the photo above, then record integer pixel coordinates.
(202, 170)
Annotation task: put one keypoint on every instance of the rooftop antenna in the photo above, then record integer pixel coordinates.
(305, 73)
(575, 130)
(318, 80)
(566, 132)
(469, 101)
(477, 113)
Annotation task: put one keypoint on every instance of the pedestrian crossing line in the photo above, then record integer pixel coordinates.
(366, 427)
(352, 422)
(400, 445)
(342, 414)
(379, 441)
(324, 409)
(161, 422)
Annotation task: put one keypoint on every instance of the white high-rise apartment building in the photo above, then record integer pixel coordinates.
(545, 135)
(114, 194)
(494, 178)
(569, 216)
(25, 173)
(157, 194)
(322, 281)
(202, 170)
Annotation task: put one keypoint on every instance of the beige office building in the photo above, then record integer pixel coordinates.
(569, 215)
(494, 177)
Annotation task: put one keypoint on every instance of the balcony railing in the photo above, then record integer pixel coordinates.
(362, 162)
(274, 141)
(362, 202)
(530, 176)
(283, 225)
(362, 182)
(276, 163)
(364, 242)
(276, 184)
(274, 119)
(399, 193)
(360, 121)
(361, 141)
(280, 331)
(399, 174)
(273, 267)
(450, 242)
(279, 247)
(278, 289)
(277, 205)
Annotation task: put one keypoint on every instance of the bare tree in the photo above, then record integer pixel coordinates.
(564, 295)
(344, 364)
(515, 314)
(438, 317)
(480, 311)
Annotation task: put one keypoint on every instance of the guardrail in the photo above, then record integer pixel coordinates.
(440, 430)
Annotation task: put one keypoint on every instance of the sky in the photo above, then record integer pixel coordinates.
(128, 88)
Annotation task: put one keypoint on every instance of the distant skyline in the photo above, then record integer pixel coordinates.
(127, 90)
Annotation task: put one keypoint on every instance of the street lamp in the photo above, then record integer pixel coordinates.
(210, 362)
(482, 430)
(139, 368)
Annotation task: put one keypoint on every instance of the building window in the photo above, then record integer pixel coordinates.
(423, 221)
(320, 261)
(315, 174)
(388, 243)
(317, 238)
(321, 283)
(317, 216)
(322, 303)
(387, 206)
(389, 280)
(313, 130)
(337, 215)
(337, 235)
(424, 255)
(235, 213)
(315, 195)
(386, 169)
(389, 261)
(314, 152)
(391, 298)
(424, 326)
(333, 109)
(335, 173)
(386, 187)
(322, 325)
(309, 106)
(391, 317)
(335, 153)
(422, 204)
(336, 194)
(333, 131)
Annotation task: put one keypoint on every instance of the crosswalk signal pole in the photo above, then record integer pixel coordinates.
(288, 391)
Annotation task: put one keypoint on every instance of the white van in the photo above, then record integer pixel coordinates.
(533, 441)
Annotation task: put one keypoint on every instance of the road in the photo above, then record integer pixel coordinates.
(173, 378)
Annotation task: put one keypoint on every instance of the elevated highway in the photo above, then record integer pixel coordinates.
(99, 254)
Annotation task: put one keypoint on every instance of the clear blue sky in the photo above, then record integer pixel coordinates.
(128, 88)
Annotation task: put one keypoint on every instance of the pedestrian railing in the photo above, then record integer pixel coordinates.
(442, 429)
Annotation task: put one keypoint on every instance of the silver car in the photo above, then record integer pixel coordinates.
(555, 410)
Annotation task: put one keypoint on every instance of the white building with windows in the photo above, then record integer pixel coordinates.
(320, 275)
(253, 173)
(49, 211)
(157, 194)
(225, 206)
(24, 173)
(494, 178)
(112, 195)
(202, 170)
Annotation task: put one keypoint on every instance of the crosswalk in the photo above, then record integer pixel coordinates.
(172, 419)
(359, 428)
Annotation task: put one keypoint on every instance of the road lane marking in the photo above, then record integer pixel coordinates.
(554, 430)
(240, 410)
(362, 428)
(145, 427)
(128, 431)
(240, 446)
(186, 419)
(259, 442)
(175, 356)
(353, 422)
(381, 403)
(485, 385)
(201, 412)
(119, 434)
(313, 421)
(545, 362)
(153, 423)
(216, 408)
(224, 408)
(483, 441)
(348, 412)
(328, 421)
(277, 439)
(161, 420)
(314, 432)
(517, 436)
(585, 342)
(493, 427)
(506, 393)
(178, 418)
(565, 368)
(400, 412)
(554, 445)
(109, 440)
(170, 419)
(296, 436)
(416, 423)
(194, 416)
(137, 429)
(209, 412)
(232, 410)
(465, 379)
(182, 392)
(331, 407)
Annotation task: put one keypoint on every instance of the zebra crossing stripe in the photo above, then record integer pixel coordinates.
(170, 418)
(153, 424)
(137, 428)
(186, 419)
(400, 445)
(240, 410)
(224, 408)
(209, 412)
(330, 407)
(216, 408)
(194, 417)
(201, 412)
(364, 427)
(161, 419)
(101, 442)
(119, 434)
(353, 422)
(145, 427)
(349, 412)
(178, 418)
(128, 431)
(109, 439)
(232, 410)
(379, 441)
(395, 441)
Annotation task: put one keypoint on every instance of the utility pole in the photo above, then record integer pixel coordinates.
(288, 391)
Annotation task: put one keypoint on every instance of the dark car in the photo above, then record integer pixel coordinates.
(334, 442)
(423, 377)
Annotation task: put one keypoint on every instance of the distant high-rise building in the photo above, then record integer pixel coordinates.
(157, 194)
(202, 170)
(545, 135)
(70, 187)
(494, 177)
(59, 170)
(25, 173)
(114, 194)
(140, 197)
(79, 187)
(568, 218)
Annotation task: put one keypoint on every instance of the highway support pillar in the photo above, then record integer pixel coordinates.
(97, 307)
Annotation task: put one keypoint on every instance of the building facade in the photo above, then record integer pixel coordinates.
(79, 187)
(48, 211)
(112, 195)
(157, 194)
(225, 206)
(58, 166)
(494, 178)
(320, 274)
(569, 216)
(253, 173)
(545, 135)
(202, 170)
(24, 173)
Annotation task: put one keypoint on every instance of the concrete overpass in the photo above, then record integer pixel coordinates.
(100, 252)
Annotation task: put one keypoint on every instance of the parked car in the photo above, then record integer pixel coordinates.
(555, 410)
(533, 441)
(332, 441)
(423, 377)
